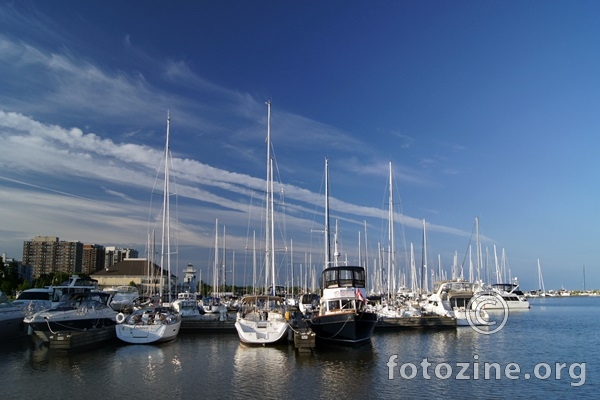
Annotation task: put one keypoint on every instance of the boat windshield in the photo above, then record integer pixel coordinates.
(35, 295)
(344, 276)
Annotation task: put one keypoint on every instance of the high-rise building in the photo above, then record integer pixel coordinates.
(93, 258)
(47, 255)
(115, 255)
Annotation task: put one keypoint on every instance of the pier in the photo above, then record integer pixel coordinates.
(422, 322)
(79, 340)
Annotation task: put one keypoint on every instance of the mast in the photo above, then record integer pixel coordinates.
(479, 255)
(327, 238)
(391, 255)
(166, 253)
(424, 272)
(215, 287)
(367, 257)
(269, 224)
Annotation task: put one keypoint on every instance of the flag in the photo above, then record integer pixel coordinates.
(360, 296)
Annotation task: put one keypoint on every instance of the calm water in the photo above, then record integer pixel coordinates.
(557, 330)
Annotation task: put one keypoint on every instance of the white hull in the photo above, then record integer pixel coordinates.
(145, 334)
(476, 320)
(491, 303)
(512, 305)
(253, 331)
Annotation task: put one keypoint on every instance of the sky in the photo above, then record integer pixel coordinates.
(485, 110)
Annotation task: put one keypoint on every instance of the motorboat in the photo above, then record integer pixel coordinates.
(11, 319)
(453, 298)
(513, 297)
(308, 303)
(153, 324)
(34, 300)
(343, 316)
(188, 305)
(125, 298)
(75, 312)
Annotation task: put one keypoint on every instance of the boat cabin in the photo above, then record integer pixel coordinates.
(343, 276)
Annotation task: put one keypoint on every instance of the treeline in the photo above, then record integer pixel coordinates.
(12, 283)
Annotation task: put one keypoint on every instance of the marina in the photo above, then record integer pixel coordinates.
(179, 368)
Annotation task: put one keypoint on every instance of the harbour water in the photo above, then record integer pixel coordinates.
(557, 338)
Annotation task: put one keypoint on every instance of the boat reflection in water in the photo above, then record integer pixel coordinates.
(270, 367)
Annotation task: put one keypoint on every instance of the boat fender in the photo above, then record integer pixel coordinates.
(120, 318)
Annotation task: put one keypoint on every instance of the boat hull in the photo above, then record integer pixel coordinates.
(344, 328)
(44, 328)
(261, 332)
(11, 324)
(145, 334)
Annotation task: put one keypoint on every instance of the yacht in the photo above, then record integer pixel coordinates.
(261, 320)
(308, 303)
(125, 298)
(34, 300)
(343, 316)
(151, 324)
(514, 298)
(453, 299)
(188, 305)
(76, 311)
(11, 319)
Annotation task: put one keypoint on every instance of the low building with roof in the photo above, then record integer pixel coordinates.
(139, 271)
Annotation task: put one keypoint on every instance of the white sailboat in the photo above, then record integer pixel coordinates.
(155, 323)
(261, 318)
(397, 304)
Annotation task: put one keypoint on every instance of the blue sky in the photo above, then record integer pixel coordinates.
(485, 109)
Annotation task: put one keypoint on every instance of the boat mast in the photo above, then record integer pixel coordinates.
(216, 264)
(269, 227)
(479, 255)
(391, 250)
(327, 238)
(166, 221)
(424, 272)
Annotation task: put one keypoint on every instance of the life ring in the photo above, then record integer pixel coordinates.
(120, 318)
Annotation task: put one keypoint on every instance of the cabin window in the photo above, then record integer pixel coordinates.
(347, 304)
(359, 278)
(346, 277)
(331, 278)
(333, 305)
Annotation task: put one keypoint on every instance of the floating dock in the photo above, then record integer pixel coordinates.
(226, 325)
(80, 340)
(422, 322)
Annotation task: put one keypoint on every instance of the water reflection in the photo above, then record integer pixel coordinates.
(146, 360)
(261, 371)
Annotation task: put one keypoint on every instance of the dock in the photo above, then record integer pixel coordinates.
(209, 325)
(300, 333)
(422, 322)
(79, 340)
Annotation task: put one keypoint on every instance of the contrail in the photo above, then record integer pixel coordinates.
(48, 189)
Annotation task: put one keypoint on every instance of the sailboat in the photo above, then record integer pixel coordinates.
(486, 296)
(343, 317)
(157, 322)
(541, 291)
(397, 305)
(261, 318)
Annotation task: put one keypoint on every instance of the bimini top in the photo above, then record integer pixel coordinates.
(343, 276)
